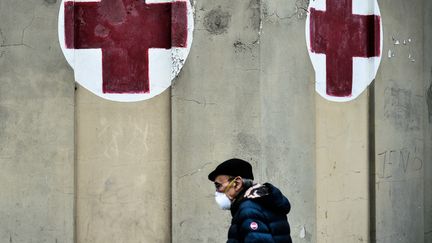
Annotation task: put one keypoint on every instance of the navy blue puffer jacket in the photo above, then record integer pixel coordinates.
(260, 216)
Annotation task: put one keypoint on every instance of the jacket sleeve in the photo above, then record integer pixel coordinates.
(253, 226)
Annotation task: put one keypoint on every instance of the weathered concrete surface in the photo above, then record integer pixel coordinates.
(247, 90)
(427, 67)
(239, 95)
(288, 111)
(123, 169)
(342, 170)
(36, 126)
(399, 129)
(215, 114)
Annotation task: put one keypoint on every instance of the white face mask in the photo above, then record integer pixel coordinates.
(222, 200)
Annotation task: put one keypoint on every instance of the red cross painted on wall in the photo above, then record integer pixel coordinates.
(125, 30)
(342, 35)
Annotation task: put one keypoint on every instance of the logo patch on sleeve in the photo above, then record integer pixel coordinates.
(254, 226)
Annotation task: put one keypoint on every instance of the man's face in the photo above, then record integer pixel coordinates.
(223, 181)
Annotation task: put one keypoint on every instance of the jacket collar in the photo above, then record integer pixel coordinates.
(238, 200)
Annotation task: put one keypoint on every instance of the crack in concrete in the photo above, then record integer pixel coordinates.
(240, 46)
(255, 23)
(276, 14)
(194, 171)
(196, 101)
(2, 39)
(346, 198)
(255, 19)
(4, 44)
(300, 11)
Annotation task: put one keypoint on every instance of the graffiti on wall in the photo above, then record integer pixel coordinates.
(344, 41)
(396, 163)
(403, 108)
(126, 50)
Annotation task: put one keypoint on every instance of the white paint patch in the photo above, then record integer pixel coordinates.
(390, 53)
(364, 69)
(302, 234)
(85, 62)
(318, 5)
(164, 64)
(365, 7)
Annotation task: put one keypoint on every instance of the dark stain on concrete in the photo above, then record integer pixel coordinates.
(255, 7)
(248, 144)
(240, 46)
(2, 39)
(429, 102)
(2, 43)
(51, 1)
(217, 21)
(4, 117)
(401, 108)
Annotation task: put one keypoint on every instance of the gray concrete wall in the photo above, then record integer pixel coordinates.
(240, 95)
(36, 126)
(342, 170)
(427, 67)
(246, 90)
(123, 170)
(399, 125)
(288, 111)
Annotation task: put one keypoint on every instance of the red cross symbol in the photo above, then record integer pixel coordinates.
(342, 35)
(125, 30)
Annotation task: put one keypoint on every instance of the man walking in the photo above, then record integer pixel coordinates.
(259, 212)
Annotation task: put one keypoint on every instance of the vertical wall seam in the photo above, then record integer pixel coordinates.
(372, 179)
(170, 183)
(426, 119)
(261, 156)
(75, 169)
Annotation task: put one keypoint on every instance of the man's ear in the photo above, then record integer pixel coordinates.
(238, 183)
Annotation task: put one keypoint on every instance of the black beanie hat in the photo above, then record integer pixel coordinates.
(233, 167)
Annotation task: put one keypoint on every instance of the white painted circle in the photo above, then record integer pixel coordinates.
(164, 64)
(364, 69)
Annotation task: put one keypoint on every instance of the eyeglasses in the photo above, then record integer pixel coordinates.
(218, 186)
